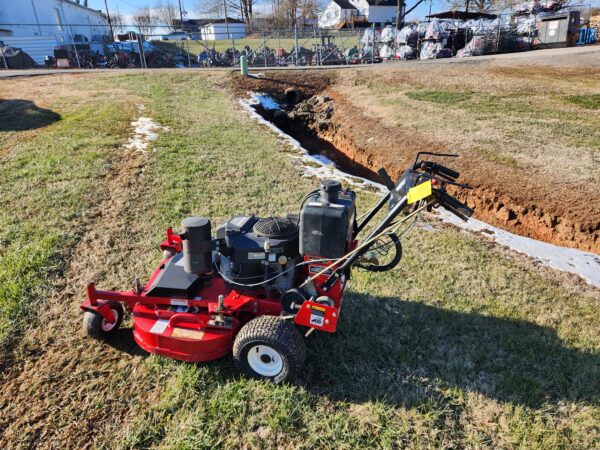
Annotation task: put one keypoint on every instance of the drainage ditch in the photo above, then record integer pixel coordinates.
(309, 123)
(322, 125)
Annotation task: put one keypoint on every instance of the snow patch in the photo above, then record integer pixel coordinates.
(145, 130)
(584, 264)
(312, 165)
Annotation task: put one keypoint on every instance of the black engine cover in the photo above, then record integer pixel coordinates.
(243, 244)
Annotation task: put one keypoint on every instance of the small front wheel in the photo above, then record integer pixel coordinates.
(168, 254)
(98, 327)
(271, 348)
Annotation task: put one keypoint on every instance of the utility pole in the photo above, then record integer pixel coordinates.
(181, 15)
(112, 36)
(400, 8)
(226, 22)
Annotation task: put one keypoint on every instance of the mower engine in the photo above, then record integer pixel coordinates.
(248, 289)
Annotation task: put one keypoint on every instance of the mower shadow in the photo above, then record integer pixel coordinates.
(21, 115)
(123, 341)
(406, 353)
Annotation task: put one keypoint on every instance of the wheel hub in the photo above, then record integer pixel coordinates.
(265, 360)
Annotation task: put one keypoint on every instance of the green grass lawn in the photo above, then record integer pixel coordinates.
(463, 345)
(46, 184)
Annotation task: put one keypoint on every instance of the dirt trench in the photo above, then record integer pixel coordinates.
(76, 391)
(514, 199)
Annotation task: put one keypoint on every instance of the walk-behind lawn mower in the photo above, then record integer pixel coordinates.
(252, 288)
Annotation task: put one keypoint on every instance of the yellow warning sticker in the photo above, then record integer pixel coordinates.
(186, 333)
(419, 192)
(318, 308)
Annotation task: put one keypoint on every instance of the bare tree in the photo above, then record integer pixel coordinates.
(167, 14)
(481, 5)
(243, 9)
(118, 21)
(145, 20)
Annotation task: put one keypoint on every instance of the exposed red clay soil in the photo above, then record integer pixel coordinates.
(560, 212)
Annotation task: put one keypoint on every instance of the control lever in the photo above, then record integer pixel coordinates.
(443, 171)
(387, 180)
(453, 205)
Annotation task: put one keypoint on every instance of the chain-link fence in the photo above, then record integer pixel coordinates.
(24, 46)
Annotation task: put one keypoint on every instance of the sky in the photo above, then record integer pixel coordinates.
(127, 7)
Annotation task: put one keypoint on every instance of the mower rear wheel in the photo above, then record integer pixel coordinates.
(271, 348)
(98, 327)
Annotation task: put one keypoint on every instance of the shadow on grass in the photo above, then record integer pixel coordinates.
(123, 341)
(21, 115)
(407, 353)
(411, 354)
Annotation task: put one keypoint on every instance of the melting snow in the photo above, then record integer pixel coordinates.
(584, 264)
(312, 165)
(145, 130)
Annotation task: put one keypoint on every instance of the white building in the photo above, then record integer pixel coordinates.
(37, 26)
(219, 30)
(342, 13)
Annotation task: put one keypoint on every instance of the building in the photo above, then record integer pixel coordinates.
(37, 26)
(219, 30)
(348, 13)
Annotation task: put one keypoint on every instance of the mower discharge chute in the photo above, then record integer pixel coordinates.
(250, 289)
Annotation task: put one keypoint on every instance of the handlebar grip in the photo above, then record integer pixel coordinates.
(387, 180)
(443, 170)
(453, 205)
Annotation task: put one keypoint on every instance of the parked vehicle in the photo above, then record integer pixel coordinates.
(176, 36)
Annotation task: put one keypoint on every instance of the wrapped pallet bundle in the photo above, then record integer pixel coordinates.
(407, 36)
(386, 52)
(388, 34)
(431, 50)
(436, 30)
(406, 52)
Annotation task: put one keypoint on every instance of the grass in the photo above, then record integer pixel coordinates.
(46, 184)
(461, 346)
(508, 113)
(589, 101)
(443, 97)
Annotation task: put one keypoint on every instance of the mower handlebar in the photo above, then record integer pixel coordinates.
(438, 169)
(386, 179)
(453, 205)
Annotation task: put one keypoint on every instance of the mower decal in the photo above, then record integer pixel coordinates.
(317, 316)
(159, 326)
(177, 302)
(419, 192)
(186, 333)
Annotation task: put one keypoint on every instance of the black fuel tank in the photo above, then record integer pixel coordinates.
(327, 220)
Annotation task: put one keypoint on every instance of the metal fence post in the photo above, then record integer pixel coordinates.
(3, 56)
(318, 46)
(498, 34)
(373, 46)
(233, 46)
(264, 46)
(141, 48)
(297, 48)
(74, 46)
(187, 44)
